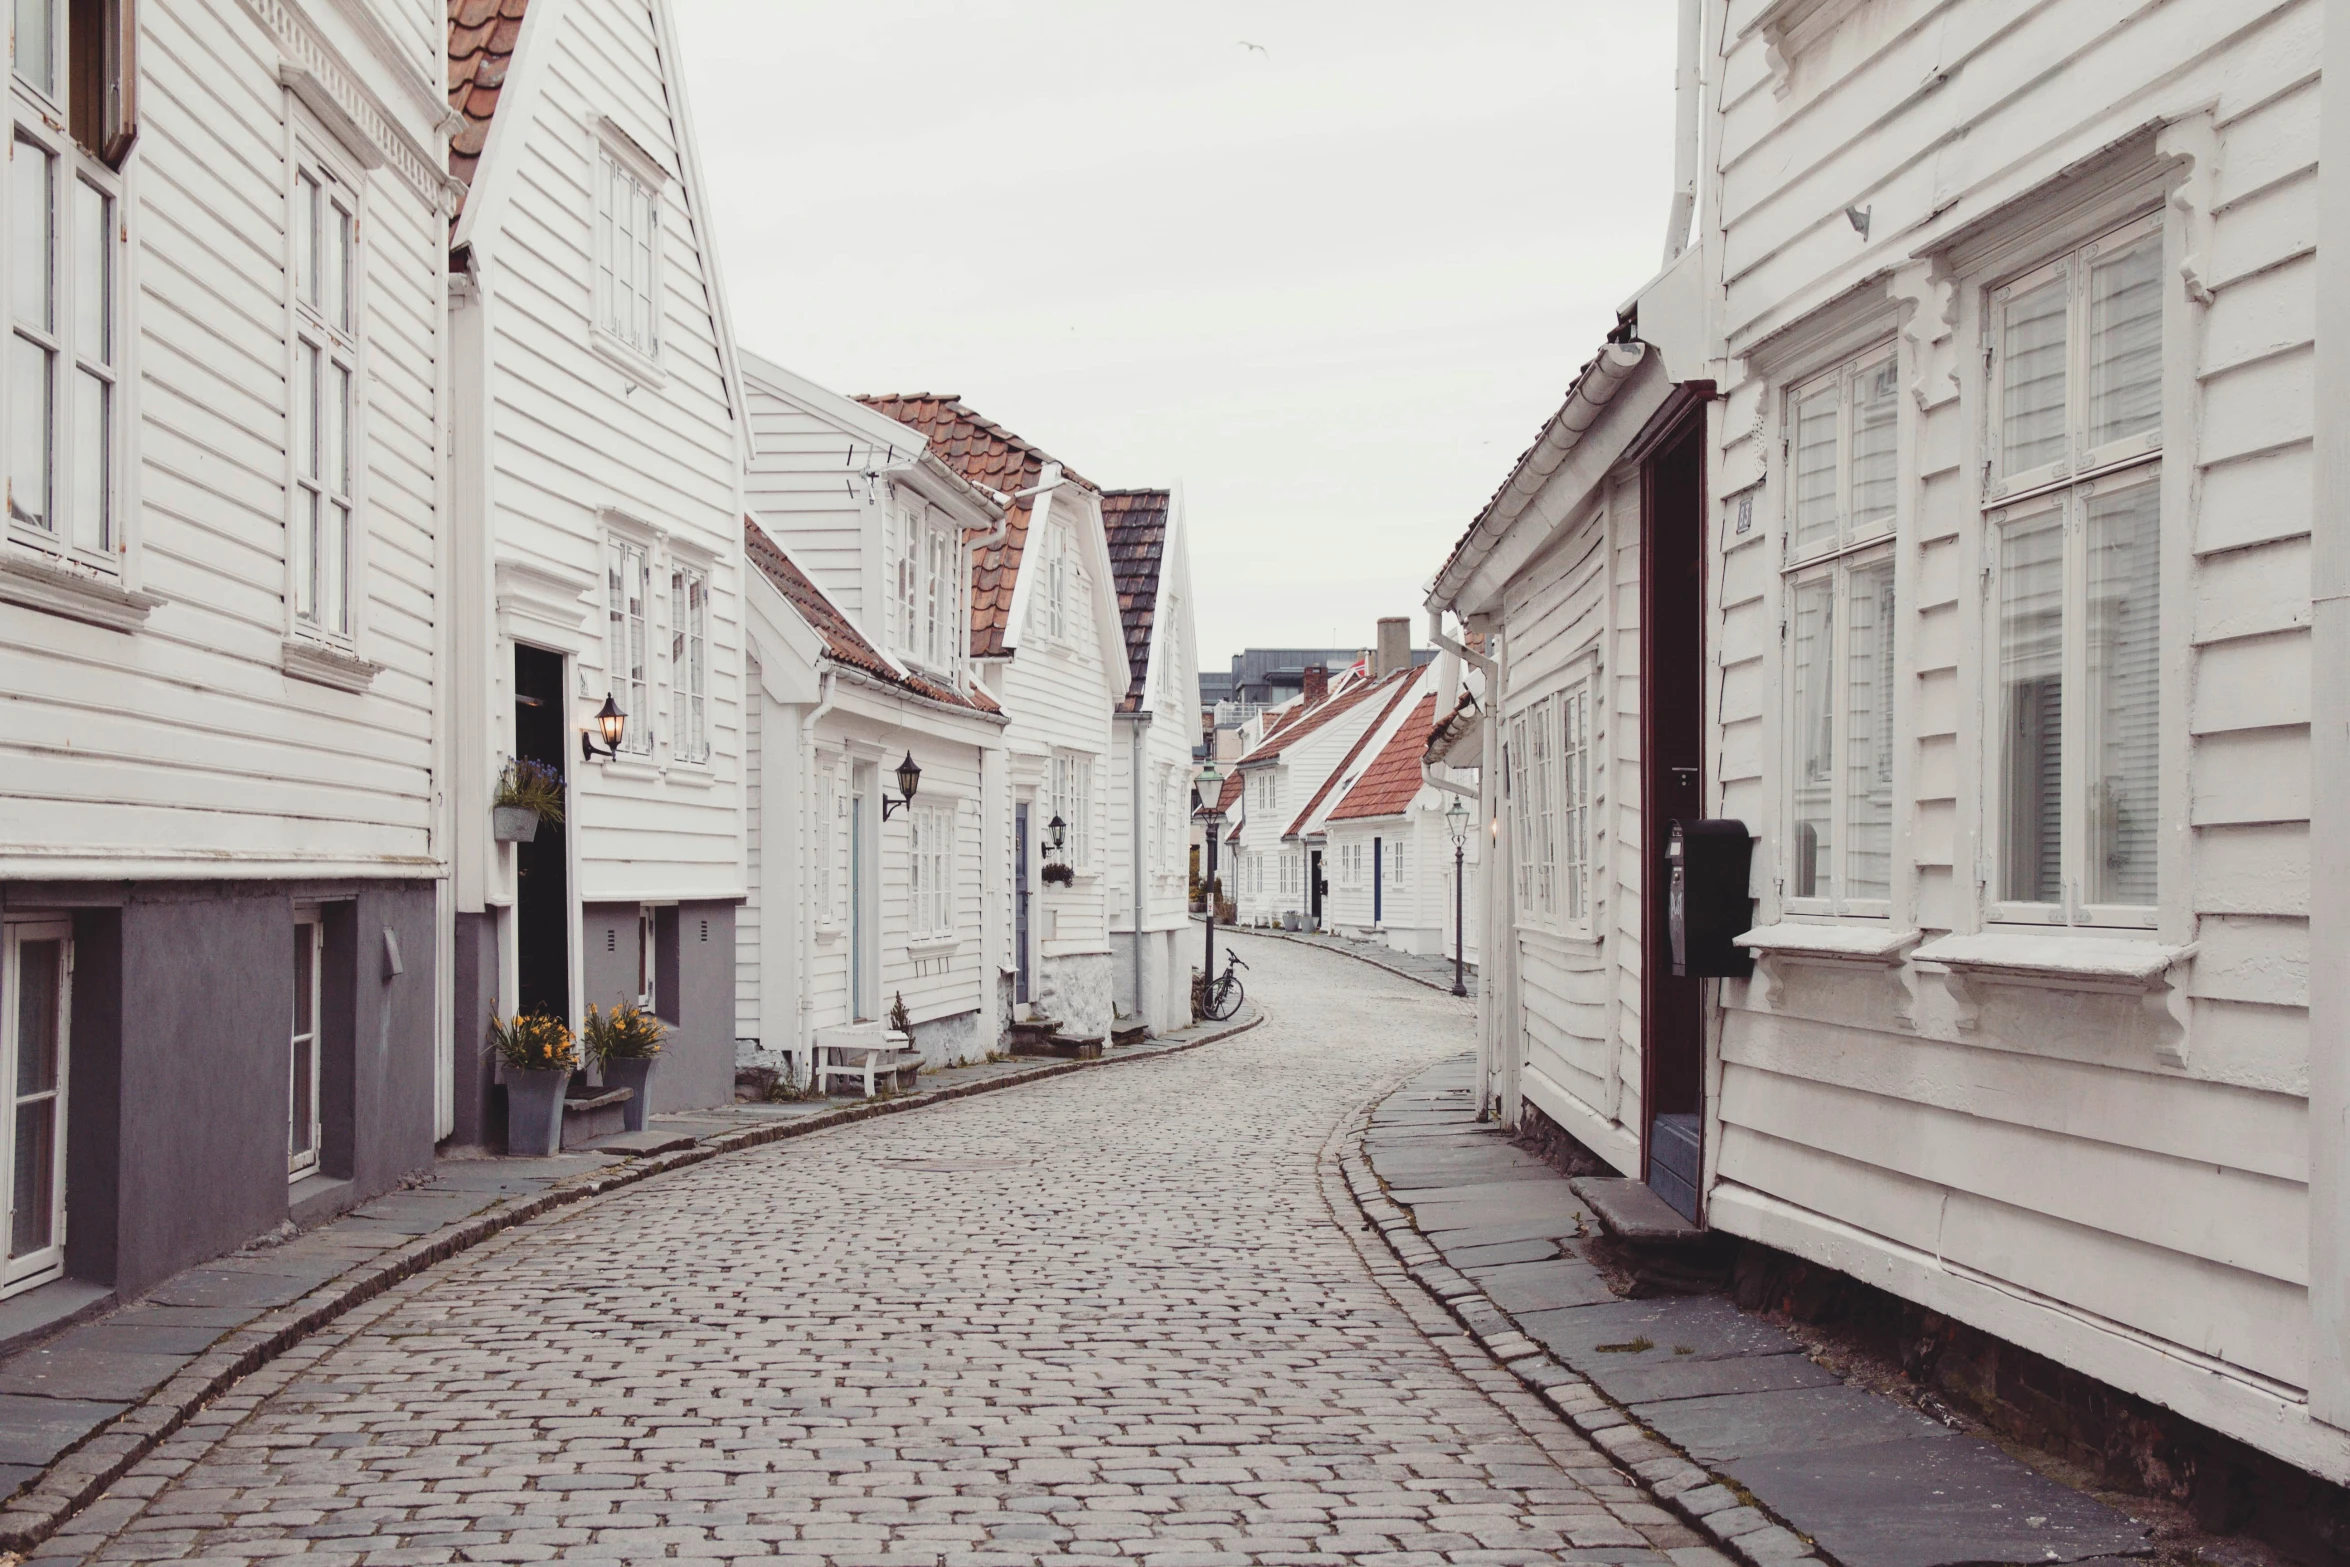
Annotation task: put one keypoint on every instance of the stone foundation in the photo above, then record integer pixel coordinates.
(1075, 991)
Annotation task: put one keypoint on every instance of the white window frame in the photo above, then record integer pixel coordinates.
(1577, 735)
(305, 1128)
(2061, 491)
(1056, 587)
(626, 183)
(628, 639)
(57, 532)
(325, 586)
(926, 563)
(1838, 571)
(930, 872)
(689, 663)
(48, 1262)
(1072, 802)
(828, 832)
(1843, 383)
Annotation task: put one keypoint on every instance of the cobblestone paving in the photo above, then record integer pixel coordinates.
(1109, 1318)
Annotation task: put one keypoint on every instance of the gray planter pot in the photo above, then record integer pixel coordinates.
(631, 1072)
(534, 1112)
(513, 823)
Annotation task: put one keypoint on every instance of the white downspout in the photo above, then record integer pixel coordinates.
(1687, 108)
(1137, 725)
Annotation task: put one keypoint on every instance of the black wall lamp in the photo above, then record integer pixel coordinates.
(613, 722)
(1060, 831)
(909, 779)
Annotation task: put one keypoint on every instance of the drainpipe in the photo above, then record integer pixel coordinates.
(1137, 724)
(1686, 107)
(808, 830)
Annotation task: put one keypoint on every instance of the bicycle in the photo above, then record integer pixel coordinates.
(1223, 993)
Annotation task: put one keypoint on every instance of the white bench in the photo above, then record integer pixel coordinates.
(862, 1051)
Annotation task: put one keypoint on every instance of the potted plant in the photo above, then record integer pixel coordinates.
(1059, 873)
(625, 1043)
(539, 1056)
(528, 793)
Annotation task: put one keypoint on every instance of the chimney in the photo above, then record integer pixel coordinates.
(1395, 646)
(1317, 684)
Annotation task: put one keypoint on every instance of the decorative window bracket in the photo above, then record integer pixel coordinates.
(2098, 966)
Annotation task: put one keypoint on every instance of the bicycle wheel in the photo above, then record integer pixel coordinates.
(1228, 996)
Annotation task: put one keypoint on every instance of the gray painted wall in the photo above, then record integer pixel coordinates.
(697, 1065)
(480, 1114)
(177, 1085)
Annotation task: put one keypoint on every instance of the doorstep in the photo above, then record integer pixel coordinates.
(1719, 1410)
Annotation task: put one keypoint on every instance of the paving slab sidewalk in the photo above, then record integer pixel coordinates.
(77, 1408)
(1771, 1454)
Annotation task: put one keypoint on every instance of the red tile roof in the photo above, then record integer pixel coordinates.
(1137, 525)
(1392, 781)
(1402, 680)
(481, 50)
(985, 453)
(1308, 719)
(843, 642)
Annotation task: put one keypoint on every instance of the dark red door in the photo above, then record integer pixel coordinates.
(1672, 747)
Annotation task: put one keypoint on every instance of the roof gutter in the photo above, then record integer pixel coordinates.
(1587, 400)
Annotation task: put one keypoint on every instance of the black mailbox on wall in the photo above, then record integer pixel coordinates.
(1706, 862)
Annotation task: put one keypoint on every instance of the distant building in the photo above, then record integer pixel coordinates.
(1264, 677)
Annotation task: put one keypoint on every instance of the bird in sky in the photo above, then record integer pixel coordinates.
(1259, 48)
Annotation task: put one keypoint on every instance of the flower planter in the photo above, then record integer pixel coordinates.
(634, 1073)
(534, 1112)
(513, 823)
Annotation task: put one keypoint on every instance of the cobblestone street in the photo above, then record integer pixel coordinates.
(1107, 1317)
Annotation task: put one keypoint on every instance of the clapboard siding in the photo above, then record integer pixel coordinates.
(2058, 1148)
(184, 744)
(570, 437)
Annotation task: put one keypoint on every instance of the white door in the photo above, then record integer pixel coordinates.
(302, 1077)
(36, 996)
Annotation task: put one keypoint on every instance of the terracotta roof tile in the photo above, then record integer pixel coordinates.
(1137, 524)
(1392, 781)
(482, 35)
(985, 453)
(843, 642)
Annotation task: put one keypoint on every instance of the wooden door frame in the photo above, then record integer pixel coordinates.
(1681, 420)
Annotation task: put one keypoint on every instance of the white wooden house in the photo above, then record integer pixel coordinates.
(1956, 484)
(595, 480)
(1151, 763)
(220, 590)
(1049, 649)
(1276, 873)
(859, 608)
(1390, 846)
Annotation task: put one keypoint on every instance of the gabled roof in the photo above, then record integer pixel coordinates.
(985, 453)
(482, 35)
(1137, 524)
(1402, 680)
(1392, 781)
(1309, 719)
(843, 642)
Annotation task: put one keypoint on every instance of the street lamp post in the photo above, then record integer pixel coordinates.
(1456, 821)
(1210, 779)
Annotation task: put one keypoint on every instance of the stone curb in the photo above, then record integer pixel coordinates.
(1700, 1498)
(1359, 957)
(82, 1474)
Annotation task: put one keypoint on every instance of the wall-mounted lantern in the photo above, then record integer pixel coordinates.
(613, 722)
(909, 779)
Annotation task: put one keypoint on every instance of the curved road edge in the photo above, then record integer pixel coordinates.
(82, 1474)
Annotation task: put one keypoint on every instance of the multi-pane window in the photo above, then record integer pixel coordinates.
(63, 369)
(1841, 430)
(1396, 852)
(302, 1121)
(628, 223)
(930, 848)
(1056, 596)
(325, 220)
(827, 830)
(1574, 804)
(36, 1031)
(689, 661)
(628, 640)
(926, 586)
(1840, 727)
(1072, 802)
(1549, 774)
(2074, 545)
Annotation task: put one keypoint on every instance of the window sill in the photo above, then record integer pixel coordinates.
(2096, 965)
(323, 665)
(1851, 948)
(832, 931)
(628, 765)
(73, 591)
(689, 775)
(934, 946)
(631, 362)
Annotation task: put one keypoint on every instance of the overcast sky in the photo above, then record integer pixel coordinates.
(1331, 285)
